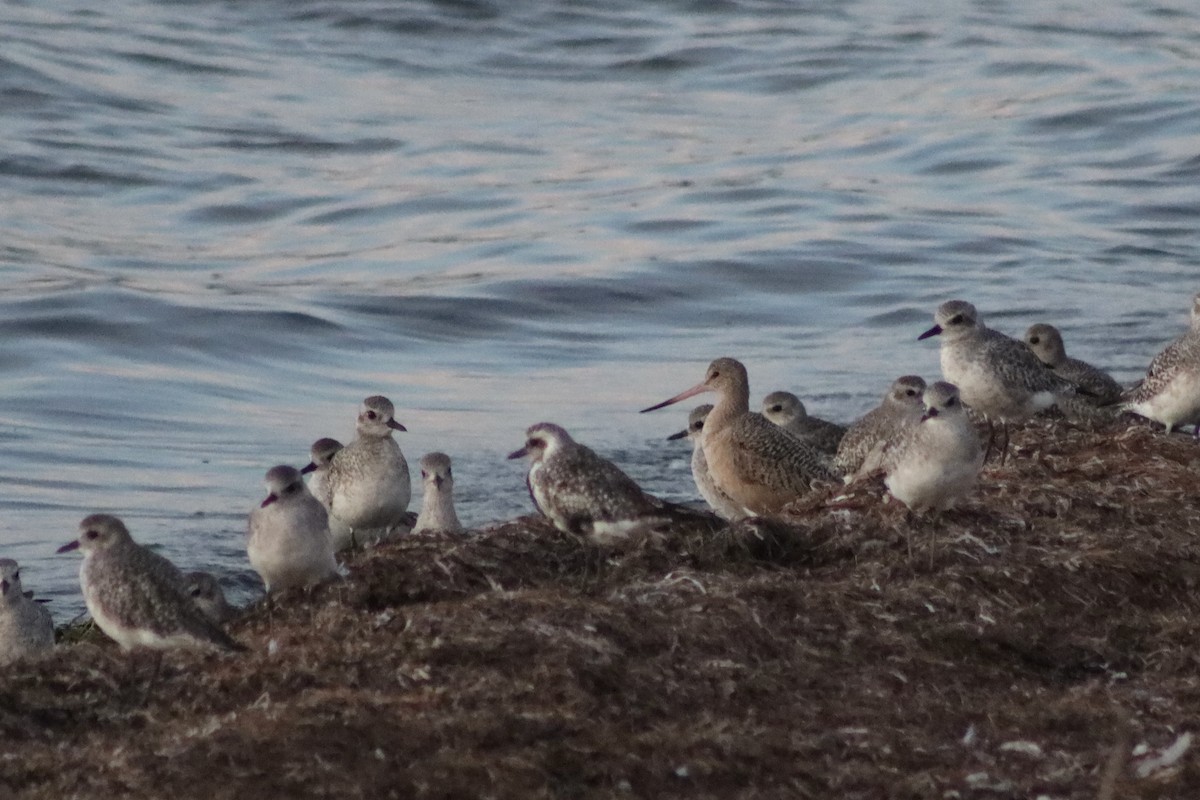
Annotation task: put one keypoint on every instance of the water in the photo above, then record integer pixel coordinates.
(224, 224)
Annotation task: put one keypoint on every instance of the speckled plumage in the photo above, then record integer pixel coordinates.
(996, 375)
(1096, 385)
(759, 466)
(26, 627)
(788, 412)
(287, 538)
(368, 479)
(937, 461)
(717, 500)
(1170, 393)
(900, 408)
(437, 498)
(583, 493)
(209, 597)
(137, 597)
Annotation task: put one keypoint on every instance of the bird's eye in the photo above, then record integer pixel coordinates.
(951, 401)
(956, 319)
(1033, 340)
(911, 392)
(714, 374)
(424, 474)
(532, 443)
(195, 591)
(371, 415)
(775, 409)
(92, 535)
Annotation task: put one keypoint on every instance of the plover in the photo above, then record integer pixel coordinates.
(208, 595)
(901, 407)
(368, 479)
(716, 499)
(321, 453)
(757, 464)
(1095, 385)
(25, 625)
(996, 375)
(136, 596)
(288, 535)
(437, 499)
(584, 494)
(788, 412)
(937, 461)
(1170, 393)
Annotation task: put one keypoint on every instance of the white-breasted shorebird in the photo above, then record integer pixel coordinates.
(900, 408)
(758, 465)
(26, 627)
(137, 597)
(437, 498)
(1170, 393)
(368, 482)
(287, 538)
(717, 500)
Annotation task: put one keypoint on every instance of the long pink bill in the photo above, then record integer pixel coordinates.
(684, 395)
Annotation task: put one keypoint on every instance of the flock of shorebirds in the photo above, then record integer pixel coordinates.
(922, 439)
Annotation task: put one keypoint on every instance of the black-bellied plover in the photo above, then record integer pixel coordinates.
(287, 538)
(368, 479)
(996, 375)
(788, 412)
(584, 494)
(900, 408)
(136, 596)
(321, 453)
(1095, 385)
(25, 625)
(1170, 393)
(937, 461)
(716, 499)
(756, 463)
(208, 595)
(437, 498)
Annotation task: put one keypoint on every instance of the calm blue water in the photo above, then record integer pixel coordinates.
(224, 224)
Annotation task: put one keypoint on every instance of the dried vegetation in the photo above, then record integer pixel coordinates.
(1041, 641)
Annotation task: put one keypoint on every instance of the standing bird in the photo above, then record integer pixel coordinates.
(209, 597)
(587, 495)
(997, 375)
(901, 408)
(716, 499)
(759, 466)
(25, 625)
(1095, 384)
(1170, 394)
(288, 535)
(321, 453)
(437, 500)
(136, 596)
(788, 412)
(368, 483)
(937, 461)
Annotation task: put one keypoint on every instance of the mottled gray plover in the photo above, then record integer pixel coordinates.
(996, 375)
(437, 499)
(587, 495)
(901, 407)
(321, 453)
(287, 538)
(716, 499)
(136, 596)
(25, 625)
(208, 595)
(937, 461)
(756, 463)
(1096, 385)
(368, 479)
(788, 412)
(1170, 393)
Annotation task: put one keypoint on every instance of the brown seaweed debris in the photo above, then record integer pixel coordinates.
(1038, 641)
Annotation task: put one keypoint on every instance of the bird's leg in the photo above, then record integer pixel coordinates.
(987, 450)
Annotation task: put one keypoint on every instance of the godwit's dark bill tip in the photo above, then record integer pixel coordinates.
(934, 331)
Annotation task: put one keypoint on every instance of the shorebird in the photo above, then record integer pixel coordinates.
(321, 453)
(788, 412)
(716, 499)
(1095, 384)
(997, 375)
(901, 407)
(937, 461)
(757, 464)
(437, 500)
(25, 625)
(287, 539)
(136, 596)
(209, 597)
(1170, 393)
(368, 481)
(587, 495)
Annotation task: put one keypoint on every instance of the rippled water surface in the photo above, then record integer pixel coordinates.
(224, 224)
